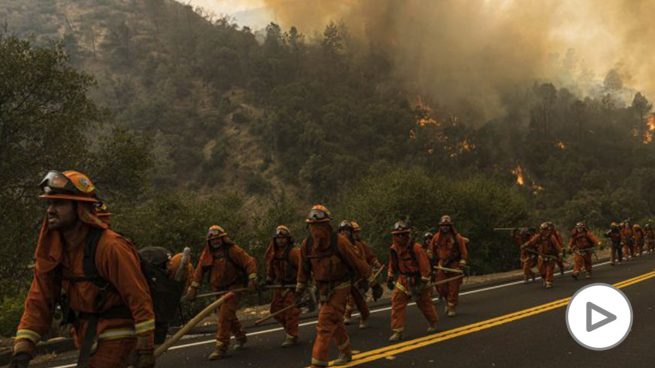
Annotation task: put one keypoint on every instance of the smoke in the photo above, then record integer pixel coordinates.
(468, 52)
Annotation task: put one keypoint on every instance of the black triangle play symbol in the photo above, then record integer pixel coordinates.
(609, 317)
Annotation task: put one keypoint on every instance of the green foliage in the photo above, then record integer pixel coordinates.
(477, 205)
(12, 310)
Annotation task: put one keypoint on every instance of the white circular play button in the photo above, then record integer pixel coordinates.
(599, 316)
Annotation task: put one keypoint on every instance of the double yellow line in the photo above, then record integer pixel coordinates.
(395, 349)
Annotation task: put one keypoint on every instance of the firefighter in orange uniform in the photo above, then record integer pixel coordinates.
(282, 259)
(229, 268)
(357, 298)
(528, 256)
(638, 240)
(614, 234)
(328, 259)
(649, 236)
(627, 240)
(550, 250)
(452, 255)
(560, 260)
(409, 276)
(111, 310)
(582, 244)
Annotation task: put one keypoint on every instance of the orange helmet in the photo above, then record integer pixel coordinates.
(282, 232)
(317, 214)
(215, 231)
(636, 226)
(445, 220)
(356, 226)
(401, 227)
(70, 185)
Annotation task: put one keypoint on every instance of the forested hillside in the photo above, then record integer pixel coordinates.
(184, 120)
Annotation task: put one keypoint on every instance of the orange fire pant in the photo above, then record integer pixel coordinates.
(650, 245)
(527, 263)
(283, 298)
(638, 248)
(330, 327)
(112, 353)
(399, 300)
(581, 260)
(228, 323)
(357, 300)
(449, 290)
(547, 269)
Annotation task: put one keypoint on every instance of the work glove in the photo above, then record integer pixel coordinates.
(462, 262)
(269, 281)
(20, 360)
(145, 359)
(390, 284)
(191, 294)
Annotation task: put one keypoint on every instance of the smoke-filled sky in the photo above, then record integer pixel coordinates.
(476, 49)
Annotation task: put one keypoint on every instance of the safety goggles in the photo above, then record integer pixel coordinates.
(281, 233)
(317, 215)
(57, 183)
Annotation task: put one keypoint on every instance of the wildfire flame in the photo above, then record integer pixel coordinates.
(426, 113)
(561, 145)
(466, 146)
(650, 129)
(520, 177)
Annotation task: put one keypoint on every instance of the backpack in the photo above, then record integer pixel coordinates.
(290, 271)
(243, 275)
(164, 290)
(334, 249)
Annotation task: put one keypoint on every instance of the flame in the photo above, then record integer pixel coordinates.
(466, 146)
(650, 129)
(425, 111)
(561, 145)
(520, 177)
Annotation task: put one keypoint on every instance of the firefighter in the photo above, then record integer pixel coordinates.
(560, 260)
(549, 248)
(452, 254)
(408, 276)
(357, 297)
(282, 269)
(614, 234)
(582, 244)
(638, 240)
(328, 259)
(528, 256)
(229, 268)
(627, 240)
(111, 310)
(649, 237)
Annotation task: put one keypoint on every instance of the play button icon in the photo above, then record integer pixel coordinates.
(591, 308)
(599, 316)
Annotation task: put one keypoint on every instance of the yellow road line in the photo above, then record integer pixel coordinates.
(417, 343)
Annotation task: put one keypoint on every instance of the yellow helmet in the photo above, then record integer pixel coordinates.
(216, 231)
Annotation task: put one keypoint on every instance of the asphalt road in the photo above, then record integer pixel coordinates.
(508, 325)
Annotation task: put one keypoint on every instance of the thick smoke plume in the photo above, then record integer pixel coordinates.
(472, 52)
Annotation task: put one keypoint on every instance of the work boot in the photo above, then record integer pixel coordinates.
(574, 275)
(363, 324)
(432, 328)
(346, 320)
(219, 352)
(344, 358)
(525, 279)
(451, 311)
(532, 277)
(240, 342)
(289, 341)
(587, 276)
(549, 285)
(396, 336)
